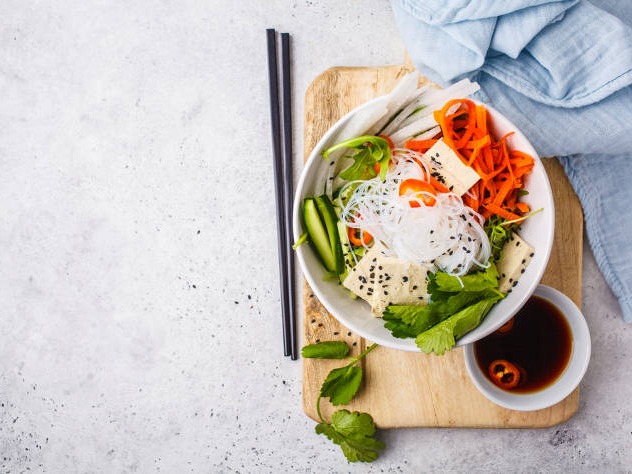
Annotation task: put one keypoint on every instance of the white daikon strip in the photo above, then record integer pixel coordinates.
(399, 97)
(418, 101)
(422, 125)
(428, 134)
(419, 121)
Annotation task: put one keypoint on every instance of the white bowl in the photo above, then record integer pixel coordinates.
(564, 384)
(356, 314)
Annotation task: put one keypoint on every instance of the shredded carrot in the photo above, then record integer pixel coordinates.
(523, 207)
(465, 129)
(481, 119)
(499, 211)
(420, 146)
(503, 191)
(478, 146)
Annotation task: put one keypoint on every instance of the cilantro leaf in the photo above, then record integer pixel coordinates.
(354, 433)
(326, 350)
(443, 336)
(395, 324)
(451, 313)
(409, 320)
(342, 384)
(443, 282)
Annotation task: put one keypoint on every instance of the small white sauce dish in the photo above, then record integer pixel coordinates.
(567, 381)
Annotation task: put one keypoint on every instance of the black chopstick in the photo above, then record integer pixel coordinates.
(288, 180)
(283, 179)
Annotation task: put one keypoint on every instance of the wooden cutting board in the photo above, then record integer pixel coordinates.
(406, 389)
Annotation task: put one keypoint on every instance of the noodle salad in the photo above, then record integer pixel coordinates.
(419, 216)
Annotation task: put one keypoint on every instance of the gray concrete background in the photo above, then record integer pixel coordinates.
(139, 301)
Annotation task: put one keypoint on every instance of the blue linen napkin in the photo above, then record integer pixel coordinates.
(561, 70)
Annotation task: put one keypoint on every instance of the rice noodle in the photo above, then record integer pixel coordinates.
(448, 234)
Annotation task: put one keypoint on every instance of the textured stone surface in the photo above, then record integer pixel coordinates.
(139, 320)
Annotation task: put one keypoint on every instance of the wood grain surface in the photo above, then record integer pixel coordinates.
(405, 389)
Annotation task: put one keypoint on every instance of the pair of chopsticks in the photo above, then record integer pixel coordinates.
(283, 179)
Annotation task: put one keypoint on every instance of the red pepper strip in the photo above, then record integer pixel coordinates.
(359, 237)
(504, 374)
(418, 189)
(440, 187)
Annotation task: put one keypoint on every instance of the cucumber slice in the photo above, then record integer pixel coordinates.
(345, 193)
(318, 234)
(347, 256)
(329, 218)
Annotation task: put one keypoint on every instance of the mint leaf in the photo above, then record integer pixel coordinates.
(354, 433)
(342, 384)
(443, 336)
(326, 350)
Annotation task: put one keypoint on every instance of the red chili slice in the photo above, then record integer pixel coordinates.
(505, 328)
(505, 374)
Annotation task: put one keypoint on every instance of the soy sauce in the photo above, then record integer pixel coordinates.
(540, 342)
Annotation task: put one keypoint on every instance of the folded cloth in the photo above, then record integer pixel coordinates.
(561, 70)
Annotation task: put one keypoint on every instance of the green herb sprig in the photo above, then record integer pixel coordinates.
(368, 150)
(457, 305)
(354, 431)
(499, 231)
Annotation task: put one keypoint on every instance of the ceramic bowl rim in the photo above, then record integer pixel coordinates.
(314, 277)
